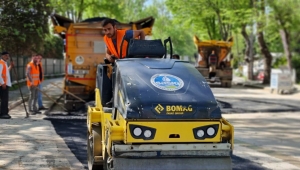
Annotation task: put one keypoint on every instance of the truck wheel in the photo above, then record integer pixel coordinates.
(94, 148)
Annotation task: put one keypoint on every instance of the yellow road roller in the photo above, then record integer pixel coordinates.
(164, 115)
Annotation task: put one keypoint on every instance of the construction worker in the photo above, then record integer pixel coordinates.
(5, 83)
(33, 81)
(212, 62)
(41, 76)
(113, 39)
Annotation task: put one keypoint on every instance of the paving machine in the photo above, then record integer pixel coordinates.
(85, 49)
(221, 73)
(164, 115)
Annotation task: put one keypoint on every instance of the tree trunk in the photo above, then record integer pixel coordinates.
(222, 31)
(81, 7)
(285, 37)
(267, 55)
(73, 15)
(248, 56)
(262, 43)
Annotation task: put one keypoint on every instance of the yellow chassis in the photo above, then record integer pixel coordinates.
(118, 130)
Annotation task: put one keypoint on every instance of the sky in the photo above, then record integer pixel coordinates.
(148, 2)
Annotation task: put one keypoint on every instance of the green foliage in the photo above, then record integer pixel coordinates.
(279, 62)
(165, 26)
(235, 63)
(238, 47)
(23, 24)
(132, 10)
(53, 47)
(78, 10)
(273, 39)
(208, 19)
(282, 15)
(205, 17)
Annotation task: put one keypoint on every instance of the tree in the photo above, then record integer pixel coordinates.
(132, 10)
(219, 18)
(165, 26)
(284, 15)
(23, 24)
(240, 15)
(261, 14)
(77, 10)
(203, 16)
(53, 47)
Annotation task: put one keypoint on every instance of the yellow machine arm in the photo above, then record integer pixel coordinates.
(59, 29)
(62, 24)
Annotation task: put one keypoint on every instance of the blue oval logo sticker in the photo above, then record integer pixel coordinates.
(167, 82)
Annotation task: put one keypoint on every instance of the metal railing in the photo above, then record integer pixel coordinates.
(51, 67)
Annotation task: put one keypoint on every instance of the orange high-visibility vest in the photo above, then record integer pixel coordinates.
(35, 74)
(4, 69)
(110, 45)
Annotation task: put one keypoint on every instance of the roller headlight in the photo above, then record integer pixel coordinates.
(147, 133)
(137, 131)
(206, 132)
(200, 133)
(142, 132)
(210, 131)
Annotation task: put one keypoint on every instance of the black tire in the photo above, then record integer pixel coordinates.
(91, 150)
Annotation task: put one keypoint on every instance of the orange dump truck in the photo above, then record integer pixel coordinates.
(221, 73)
(84, 50)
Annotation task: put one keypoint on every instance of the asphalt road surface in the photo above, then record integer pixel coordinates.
(72, 128)
(241, 100)
(73, 131)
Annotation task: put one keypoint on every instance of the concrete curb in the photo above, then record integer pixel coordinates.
(254, 86)
(249, 85)
(296, 87)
